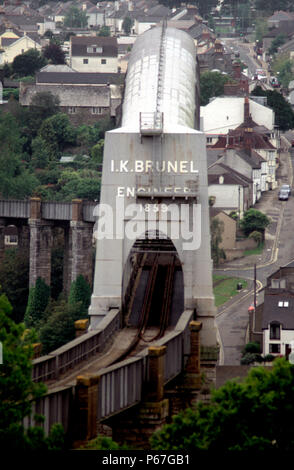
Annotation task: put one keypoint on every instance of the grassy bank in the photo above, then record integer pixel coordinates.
(224, 288)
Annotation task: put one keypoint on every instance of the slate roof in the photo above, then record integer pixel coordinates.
(242, 138)
(78, 78)
(230, 176)
(79, 46)
(86, 96)
(272, 312)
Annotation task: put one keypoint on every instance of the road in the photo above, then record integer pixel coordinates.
(233, 320)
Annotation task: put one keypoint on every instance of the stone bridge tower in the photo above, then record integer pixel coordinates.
(154, 178)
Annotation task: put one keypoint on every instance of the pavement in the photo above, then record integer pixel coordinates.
(274, 209)
(232, 317)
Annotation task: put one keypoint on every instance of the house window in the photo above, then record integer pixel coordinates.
(85, 61)
(72, 110)
(274, 348)
(96, 110)
(103, 61)
(275, 330)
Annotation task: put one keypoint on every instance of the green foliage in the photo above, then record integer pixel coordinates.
(59, 329)
(127, 24)
(97, 152)
(250, 358)
(14, 280)
(28, 63)
(285, 72)
(269, 358)
(257, 236)
(261, 28)
(270, 6)
(284, 116)
(17, 390)
(254, 220)
(15, 180)
(54, 54)
(57, 132)
(103, 443)
(216, 231)
(43, 105)
(80, 291)
(8, 92)
(75, 18)
(104, 31)
(252, 348)
(39, 296)
(256, 414)
(211, 85)
(83, 184)
(276, 43)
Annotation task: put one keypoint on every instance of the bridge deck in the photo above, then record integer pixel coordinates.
(120, 343)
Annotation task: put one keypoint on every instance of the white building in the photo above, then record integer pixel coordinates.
(225, 113)
(93, 54)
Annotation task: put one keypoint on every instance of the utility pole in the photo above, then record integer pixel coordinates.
(254, 287)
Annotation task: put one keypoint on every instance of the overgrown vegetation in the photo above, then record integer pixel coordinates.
(32, 143)
(18, 391)
(255, 414)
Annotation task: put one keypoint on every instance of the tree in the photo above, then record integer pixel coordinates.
(254, 220)
(104, 31)
(284, 116)
(54, 54)
(82, 184)
(211, 84)
(270, 6)
(18, 391)
(57, 131)
(75, 18)
(14, 281)
(39, 296)
(252, 415)
(80, 291)
(284, 68)
(276, 43)
(15, 179)
(59, 328)
(127, 24)
(43, 105)
(216, 230)
(28, 63)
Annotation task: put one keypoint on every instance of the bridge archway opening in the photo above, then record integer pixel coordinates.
(153, 283)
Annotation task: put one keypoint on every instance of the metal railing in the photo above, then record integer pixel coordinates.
(15, 208)
(120, 386)
(75, 352)
(20, 209)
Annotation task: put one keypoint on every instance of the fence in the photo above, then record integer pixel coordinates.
(62, 359)
(120, 386)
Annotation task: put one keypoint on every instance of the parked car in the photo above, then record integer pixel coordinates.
(286, 187)
(283, 195)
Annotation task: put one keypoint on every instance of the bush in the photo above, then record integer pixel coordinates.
(59, 328)
(248, 358)
(254, 220)
(257, 236)
(269, 358)
(253, 348)
(38, 300)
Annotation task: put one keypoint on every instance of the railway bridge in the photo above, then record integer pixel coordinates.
(39, 222)
(152, 316)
